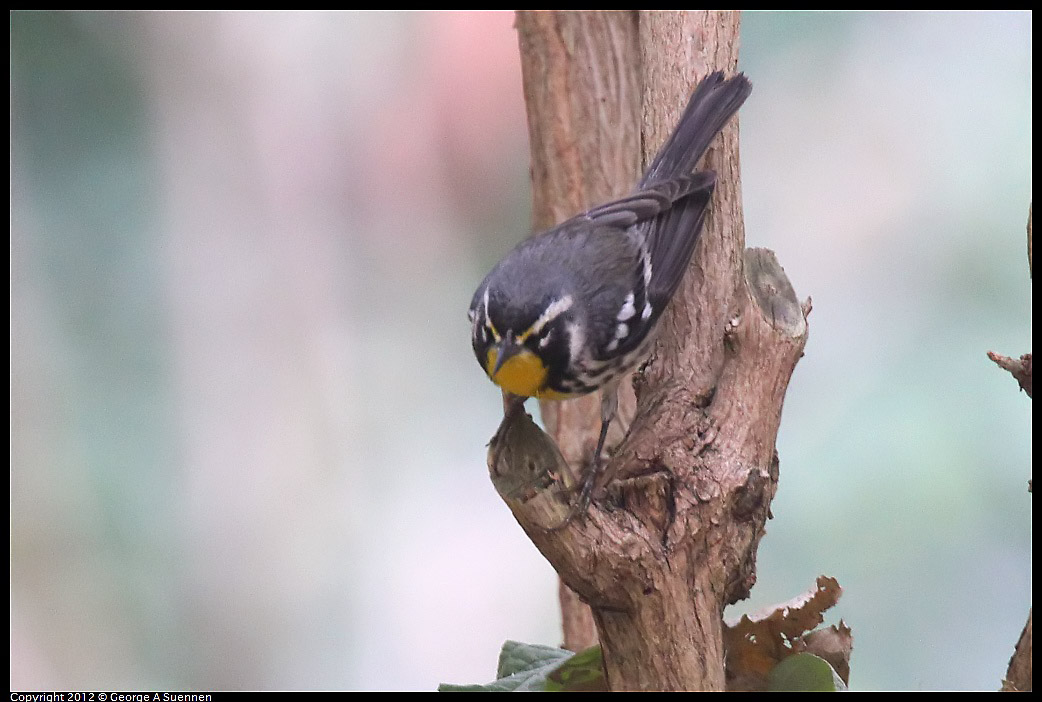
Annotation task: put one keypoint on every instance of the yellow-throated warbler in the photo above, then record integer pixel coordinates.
(572, 310)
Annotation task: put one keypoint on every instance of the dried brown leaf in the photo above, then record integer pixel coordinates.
(758, 642)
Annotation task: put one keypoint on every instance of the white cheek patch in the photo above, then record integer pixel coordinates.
(647, 311)
(545, 341)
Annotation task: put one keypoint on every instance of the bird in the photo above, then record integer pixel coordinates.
(574, 309)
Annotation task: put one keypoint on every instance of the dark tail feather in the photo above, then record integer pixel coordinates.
(673, 234)
(712, 103)
(672, 237)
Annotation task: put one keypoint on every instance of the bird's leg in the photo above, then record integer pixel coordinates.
(609, 405)
(590, 479)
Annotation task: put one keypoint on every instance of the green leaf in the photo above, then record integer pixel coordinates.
(583, 672)
(804, 672)
(449, 687)
(517, 657)
(522, 668)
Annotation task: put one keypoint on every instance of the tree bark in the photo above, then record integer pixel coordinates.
(671, 540)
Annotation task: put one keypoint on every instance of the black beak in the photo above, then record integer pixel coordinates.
(505, 350)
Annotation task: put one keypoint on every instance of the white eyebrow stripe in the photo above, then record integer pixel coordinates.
(488, 319)
(553, 310)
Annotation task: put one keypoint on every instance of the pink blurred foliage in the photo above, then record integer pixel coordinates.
(451, 136)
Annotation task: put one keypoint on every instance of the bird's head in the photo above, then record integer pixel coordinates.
(519, 342)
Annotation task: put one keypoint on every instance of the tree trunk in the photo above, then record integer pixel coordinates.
(671, 540)
(583, 95)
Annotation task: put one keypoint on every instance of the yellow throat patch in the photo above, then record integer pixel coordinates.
(523, 374)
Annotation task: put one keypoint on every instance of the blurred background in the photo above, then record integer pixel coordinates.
(247, 429)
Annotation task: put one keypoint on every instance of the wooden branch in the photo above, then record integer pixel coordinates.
(1019, 368)
(671, 541)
